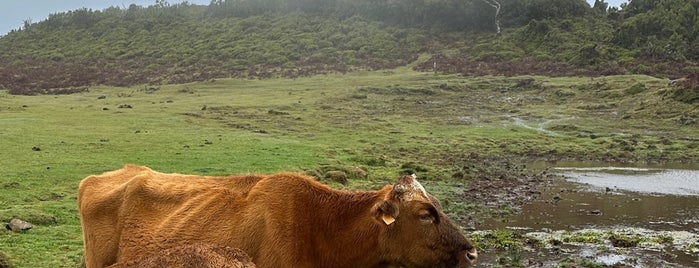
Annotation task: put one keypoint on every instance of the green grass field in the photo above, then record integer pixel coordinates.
(375, 120)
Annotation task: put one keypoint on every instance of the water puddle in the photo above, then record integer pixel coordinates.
(654, 200)
(640, 180)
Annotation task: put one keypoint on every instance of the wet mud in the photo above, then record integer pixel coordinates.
(596, 217)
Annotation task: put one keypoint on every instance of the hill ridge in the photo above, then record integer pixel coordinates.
(182, 43)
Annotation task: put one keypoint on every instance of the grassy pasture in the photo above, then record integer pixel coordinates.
(381, 121)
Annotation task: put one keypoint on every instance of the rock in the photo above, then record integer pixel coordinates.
(17, 225)
(594, 212)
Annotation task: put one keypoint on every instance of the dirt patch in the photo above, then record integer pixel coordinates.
(496, 185)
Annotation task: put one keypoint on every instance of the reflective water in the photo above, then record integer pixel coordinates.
(567, 205)
(654, 198)
(641, 180)
(598, 197)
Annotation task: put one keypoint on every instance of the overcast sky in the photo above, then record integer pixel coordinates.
(13, 13)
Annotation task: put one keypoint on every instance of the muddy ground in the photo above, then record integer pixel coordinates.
(502, 186)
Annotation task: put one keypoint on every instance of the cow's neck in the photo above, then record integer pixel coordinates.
(350, 227)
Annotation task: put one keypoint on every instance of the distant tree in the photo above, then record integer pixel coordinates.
(553, 9)
(27, 23)
(635, 7)
(600, 6)
(161, 3)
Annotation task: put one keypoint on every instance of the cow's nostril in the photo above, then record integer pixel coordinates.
(472, 255)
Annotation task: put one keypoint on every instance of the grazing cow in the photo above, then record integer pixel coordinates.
(193, 256)
(280, 220)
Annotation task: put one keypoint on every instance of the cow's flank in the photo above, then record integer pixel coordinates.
(280, 220)
(194, 255)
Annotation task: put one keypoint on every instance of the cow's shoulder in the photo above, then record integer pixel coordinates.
(289, 183)
(112, 178)
(107, 186)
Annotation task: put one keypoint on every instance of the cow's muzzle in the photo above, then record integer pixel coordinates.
(471, 256)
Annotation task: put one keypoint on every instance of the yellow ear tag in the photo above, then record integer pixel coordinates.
(387, 219)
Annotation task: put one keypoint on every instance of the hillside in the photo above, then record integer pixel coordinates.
(180, 43)
(347, 91)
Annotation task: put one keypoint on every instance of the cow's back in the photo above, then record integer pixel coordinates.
(127, 212)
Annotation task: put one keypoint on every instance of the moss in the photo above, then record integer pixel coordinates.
(503, 239)
(624, 241)
(635, 89)
(585, 237)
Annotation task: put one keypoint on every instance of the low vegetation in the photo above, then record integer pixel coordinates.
(180, 43)
(464, 136)
(591, 247)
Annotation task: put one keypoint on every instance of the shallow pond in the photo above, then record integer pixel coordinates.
(651, 200)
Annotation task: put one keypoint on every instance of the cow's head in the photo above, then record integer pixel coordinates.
(417, 232)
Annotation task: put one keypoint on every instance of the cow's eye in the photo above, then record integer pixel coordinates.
(425, 217)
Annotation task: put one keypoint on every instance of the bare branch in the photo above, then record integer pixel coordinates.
(495, 4)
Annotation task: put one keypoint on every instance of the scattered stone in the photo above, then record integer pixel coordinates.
(17, 225)
(101, 97)
(125, 106)
(594, 212)
(36, 148)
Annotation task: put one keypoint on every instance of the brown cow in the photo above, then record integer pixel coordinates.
(280, 220)
(193, 256)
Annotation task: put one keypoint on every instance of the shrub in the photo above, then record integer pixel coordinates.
(635, 89)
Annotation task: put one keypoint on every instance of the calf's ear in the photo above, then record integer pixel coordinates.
(386, 212)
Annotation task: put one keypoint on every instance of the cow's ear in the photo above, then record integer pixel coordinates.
(386, 212)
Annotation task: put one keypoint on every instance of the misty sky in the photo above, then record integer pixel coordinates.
(13, 13)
